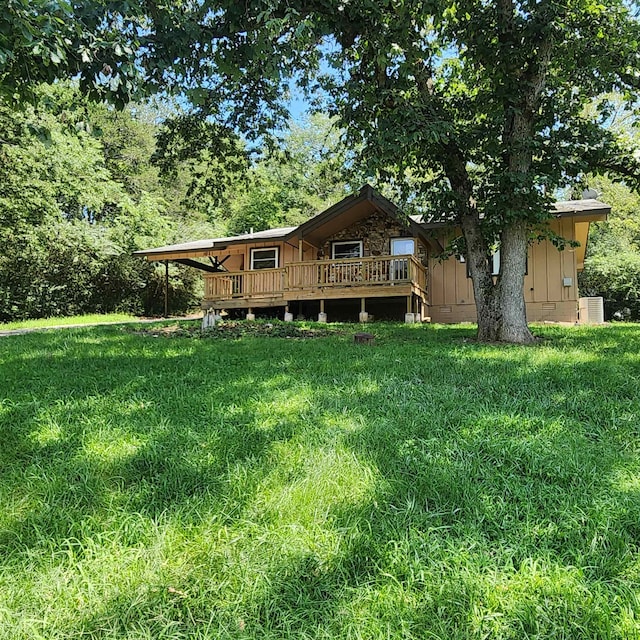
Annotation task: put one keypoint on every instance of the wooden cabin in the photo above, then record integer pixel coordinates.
(363, 257)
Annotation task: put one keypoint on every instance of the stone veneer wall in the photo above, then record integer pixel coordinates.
(375, 232)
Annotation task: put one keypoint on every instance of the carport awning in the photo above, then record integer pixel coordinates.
(211, 246)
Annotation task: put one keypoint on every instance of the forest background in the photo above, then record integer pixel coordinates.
(84, 185)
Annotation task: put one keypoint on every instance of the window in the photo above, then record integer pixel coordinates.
(401, 247)
(348, 249)
(264, 258)
(494, 261)
(462, 260)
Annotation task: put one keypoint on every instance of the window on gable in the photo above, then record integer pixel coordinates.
(264, 258)
(346, 249)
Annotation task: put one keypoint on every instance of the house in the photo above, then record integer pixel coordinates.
(364, 257)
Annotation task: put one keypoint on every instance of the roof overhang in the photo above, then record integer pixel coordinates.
(211, 247)
(347, 212)
(582, 210)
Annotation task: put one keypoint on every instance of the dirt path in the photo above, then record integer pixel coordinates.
(18, 332)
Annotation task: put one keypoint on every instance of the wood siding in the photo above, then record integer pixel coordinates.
(547, 297)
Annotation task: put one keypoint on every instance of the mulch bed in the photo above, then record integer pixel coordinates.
(236, 329)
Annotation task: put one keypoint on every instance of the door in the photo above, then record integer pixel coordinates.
(401, 247)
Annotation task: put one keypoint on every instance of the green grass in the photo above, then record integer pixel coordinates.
(67, 320)
(279, 487)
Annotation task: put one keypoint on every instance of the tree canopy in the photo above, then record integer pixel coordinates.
(78, 194)
(481, 106)
(82, 185)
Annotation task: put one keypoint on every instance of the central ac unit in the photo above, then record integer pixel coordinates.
(591, 310)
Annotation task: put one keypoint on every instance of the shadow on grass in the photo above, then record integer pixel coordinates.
(502, 493)
(144, 426)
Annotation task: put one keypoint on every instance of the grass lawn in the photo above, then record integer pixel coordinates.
(248, 486)
(67, 320)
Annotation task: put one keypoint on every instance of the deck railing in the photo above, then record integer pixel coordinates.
(353, 272)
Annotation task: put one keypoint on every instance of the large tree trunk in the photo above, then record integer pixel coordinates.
(500, 305)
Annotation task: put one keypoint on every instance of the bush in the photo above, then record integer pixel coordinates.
(73, 268)
(615, 277)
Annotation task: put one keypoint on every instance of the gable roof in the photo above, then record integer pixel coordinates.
(344, 213)
(351, 209)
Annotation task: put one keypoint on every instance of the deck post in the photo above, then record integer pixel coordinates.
(288, 316)
(250, 314)
(166, 288)
(300, 251)
(322, 316)
(364, 316)
(410, 317)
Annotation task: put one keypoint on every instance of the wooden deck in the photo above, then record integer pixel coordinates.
(377, 277)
